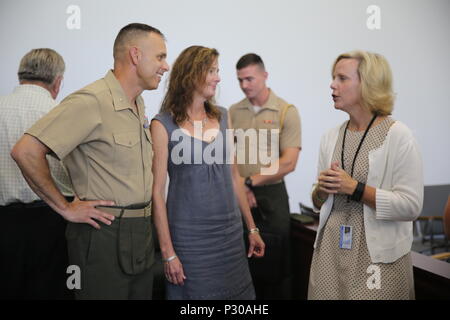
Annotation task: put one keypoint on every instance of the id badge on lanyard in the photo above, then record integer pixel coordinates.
(345, 237)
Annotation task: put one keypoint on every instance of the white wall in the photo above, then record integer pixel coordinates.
(298, 41)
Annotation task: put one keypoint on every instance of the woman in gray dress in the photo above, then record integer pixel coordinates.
(369, 190)
(200, 227)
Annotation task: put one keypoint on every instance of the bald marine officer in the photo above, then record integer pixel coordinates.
(101, 134)
(266, 192)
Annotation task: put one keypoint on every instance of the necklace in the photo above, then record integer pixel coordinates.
(203, 121)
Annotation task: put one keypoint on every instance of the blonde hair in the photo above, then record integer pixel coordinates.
(376, 81)
(41, 65)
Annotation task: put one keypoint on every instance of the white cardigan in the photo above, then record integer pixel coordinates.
(395, 170)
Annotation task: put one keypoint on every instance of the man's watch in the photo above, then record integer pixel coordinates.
(248, 182)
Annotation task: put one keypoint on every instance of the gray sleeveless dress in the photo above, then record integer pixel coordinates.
(204, 218)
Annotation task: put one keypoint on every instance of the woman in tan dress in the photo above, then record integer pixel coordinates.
(369, 190)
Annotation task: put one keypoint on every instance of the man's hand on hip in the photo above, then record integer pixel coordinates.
(85, 212)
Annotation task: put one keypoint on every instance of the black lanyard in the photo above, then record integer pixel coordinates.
(359, 146)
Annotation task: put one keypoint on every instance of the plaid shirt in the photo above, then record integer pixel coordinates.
(19, 111)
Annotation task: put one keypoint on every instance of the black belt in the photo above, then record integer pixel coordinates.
(134, 206)
(269, 186)
(131, 211)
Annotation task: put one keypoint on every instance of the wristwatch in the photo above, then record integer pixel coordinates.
(358, 193)
(248, 182)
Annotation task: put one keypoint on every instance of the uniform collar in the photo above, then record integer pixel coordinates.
(271, 103)
(120, 99)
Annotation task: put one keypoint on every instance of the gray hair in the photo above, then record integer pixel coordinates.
(41, 65)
